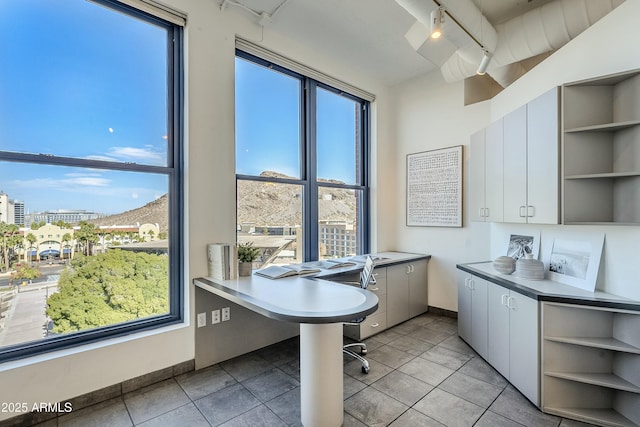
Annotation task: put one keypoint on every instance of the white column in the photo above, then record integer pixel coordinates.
(321, 370)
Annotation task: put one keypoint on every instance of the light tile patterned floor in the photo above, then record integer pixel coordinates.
(421, 374)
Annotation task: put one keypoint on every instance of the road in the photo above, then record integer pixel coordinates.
(50, 272)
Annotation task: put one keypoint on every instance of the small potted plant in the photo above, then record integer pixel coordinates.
(247, 253)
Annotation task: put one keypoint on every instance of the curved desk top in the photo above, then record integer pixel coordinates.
(296, 299)
(302, 299)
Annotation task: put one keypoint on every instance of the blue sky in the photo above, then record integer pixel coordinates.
(79, 80)
(268, 129)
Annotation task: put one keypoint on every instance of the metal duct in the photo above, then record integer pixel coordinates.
(540, 30)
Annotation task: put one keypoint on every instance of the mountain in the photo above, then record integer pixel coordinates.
(268, 203)
(155, 212)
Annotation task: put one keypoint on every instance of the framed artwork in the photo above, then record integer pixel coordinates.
(434, 188)
(576, 262)
(521, 244)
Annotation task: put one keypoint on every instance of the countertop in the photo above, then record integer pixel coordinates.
(305, 299)
(548, 290)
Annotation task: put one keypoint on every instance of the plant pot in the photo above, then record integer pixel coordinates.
(245, 269)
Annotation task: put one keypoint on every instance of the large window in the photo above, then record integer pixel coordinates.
(301, 165)
(91, 175)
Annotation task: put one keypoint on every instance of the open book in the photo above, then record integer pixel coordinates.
(279, 271)
(328, 264)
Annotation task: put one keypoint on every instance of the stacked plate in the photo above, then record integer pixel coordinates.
(529, 268)
(504, 264)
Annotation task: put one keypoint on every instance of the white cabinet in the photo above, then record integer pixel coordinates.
(407, 292)
(472, 312)
(591, 364)
(601, 150)
(485, 173)
(513, 342)
(402, 294)
(531, 161)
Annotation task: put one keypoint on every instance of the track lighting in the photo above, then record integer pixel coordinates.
(437, 19)
(484, 62)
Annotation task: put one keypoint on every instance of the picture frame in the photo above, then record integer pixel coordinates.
(434, 188)
(523, 242)
(576, 261)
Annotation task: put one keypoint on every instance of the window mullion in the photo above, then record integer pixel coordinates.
(311, 196)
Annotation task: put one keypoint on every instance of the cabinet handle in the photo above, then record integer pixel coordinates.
(472, 284)
(509, 306)
(413, 268)
(533, 211)
(375, 325)
(520, 211)
(486, 212)
(504, 300)
(481, 212)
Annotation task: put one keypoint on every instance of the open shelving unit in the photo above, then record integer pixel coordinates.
(591, 364)
(601, 150)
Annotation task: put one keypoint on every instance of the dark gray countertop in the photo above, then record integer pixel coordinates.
(304, 299)
(548, 290)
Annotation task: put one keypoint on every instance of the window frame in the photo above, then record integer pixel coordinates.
(308, 161)
(173, 170)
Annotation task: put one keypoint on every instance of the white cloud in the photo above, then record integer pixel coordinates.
(132, 153)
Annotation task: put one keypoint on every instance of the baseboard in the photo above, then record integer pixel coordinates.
(443, 312)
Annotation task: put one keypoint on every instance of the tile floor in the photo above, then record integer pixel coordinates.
(422, 374)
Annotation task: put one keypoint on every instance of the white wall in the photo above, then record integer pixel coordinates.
(210, 197)
(610, 46)
(429, 114)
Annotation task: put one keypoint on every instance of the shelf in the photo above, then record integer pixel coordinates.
(604, 343)
(602, 380)
(606, 127)
(607, 417)
(608, 175)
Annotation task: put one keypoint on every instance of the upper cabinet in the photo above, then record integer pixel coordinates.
(485, 174)
(514, 165)
(531, 161)
(601, 150)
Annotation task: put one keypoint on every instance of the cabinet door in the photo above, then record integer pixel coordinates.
(479, 316)
(543, 151)
(418, 289)
(397, 294)
(515, 165)
(494, 177)
(476, 176)
(524, 369)
(464, 306)
(498, 324)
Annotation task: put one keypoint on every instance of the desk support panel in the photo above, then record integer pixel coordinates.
(321, 375)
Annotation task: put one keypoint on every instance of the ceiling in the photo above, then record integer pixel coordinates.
(368, 35)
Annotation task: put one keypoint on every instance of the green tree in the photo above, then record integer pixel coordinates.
(66, 238)
(113, 287)
(26, 272)
(9, 235)
(87, 236)
(32, 239)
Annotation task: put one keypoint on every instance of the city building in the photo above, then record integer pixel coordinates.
(68, 216)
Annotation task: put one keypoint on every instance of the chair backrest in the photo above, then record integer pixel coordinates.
(366, 275)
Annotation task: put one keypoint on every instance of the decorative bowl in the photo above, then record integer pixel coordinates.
(504, 264)
(530, 268)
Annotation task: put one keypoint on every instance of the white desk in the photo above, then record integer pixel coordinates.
(320, 306)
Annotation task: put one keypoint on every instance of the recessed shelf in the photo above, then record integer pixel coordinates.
(602, 380)
(605, 417)
(604, 343)
(608, 175)
(606, 127)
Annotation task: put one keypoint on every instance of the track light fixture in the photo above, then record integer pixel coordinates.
(484, 62)
(437, 19)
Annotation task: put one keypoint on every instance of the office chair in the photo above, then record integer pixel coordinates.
(366, 277)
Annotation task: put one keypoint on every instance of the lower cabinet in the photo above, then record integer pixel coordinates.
(402, 294)
(406, 291)
(502, 327)
(472, 312)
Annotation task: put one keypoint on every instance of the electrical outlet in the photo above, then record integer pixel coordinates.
(226, 314)
(202, 320)
(215, 317)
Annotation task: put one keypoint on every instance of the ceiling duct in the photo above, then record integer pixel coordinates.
(533, 33)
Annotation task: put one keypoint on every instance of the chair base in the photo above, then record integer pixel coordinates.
(363, 350)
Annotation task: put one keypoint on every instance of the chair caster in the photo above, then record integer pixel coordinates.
(363, 351)
(365, 370)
